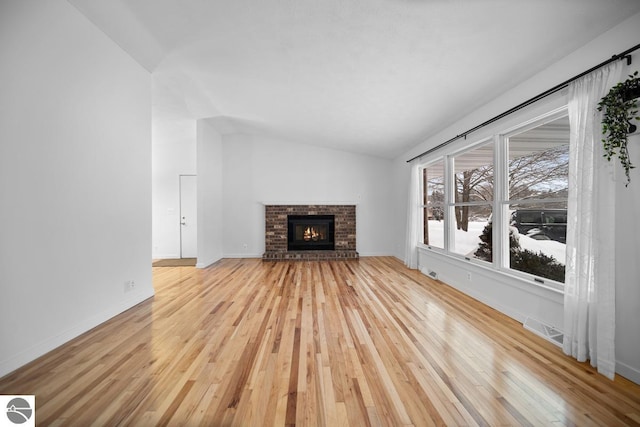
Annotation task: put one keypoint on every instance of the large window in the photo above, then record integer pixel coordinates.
(503, 202)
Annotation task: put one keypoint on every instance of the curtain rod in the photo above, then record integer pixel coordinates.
(530, 101)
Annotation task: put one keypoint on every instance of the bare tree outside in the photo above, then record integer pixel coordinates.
(433, 201)
(540, 175)
(536, 175)
(473, 185)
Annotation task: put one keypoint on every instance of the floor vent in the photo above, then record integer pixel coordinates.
(432, 274)
(545, 331)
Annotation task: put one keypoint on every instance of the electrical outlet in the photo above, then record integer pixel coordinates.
(245, 246)
(129, 285)
(468, 276)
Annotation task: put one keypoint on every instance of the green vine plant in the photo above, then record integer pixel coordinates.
(620, 109)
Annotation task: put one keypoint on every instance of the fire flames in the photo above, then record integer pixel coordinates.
(310, 233)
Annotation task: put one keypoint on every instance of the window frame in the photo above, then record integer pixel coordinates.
(424, 205)
(500, 203)
(451, 192)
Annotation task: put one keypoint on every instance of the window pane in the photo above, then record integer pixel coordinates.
(537, 239)
(433, 176)
(434, 229)
(469, 241)
(539, 172)
(474, 175)
(539, 162)
(433, 200)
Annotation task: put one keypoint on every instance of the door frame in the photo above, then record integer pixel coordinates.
(180, 208)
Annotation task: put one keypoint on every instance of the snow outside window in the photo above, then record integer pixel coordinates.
(538, 172)
(503, 201)
(433, 205)
(473, 199)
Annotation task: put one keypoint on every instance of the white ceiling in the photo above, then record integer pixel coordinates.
(369, 76)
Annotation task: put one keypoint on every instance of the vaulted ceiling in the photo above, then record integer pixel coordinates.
(369, 76)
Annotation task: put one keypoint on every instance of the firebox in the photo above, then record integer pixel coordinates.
(310, 232)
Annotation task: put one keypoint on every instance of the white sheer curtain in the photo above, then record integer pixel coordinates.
(411, 249)
(589, 299)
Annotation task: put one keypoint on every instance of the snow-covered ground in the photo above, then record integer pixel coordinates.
(467, 241)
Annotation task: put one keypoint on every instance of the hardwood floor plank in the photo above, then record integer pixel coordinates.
(334, 343)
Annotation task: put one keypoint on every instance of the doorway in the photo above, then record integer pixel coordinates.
(188, 217)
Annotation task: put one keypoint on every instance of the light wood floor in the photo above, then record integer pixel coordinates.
(247, 343)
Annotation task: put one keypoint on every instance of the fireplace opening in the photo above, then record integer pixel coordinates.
(310, 232)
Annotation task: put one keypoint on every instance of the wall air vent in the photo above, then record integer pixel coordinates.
(545, 331)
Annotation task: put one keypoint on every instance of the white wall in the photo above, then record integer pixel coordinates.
(75, 181)
(259, 170)
(209, 152)
(522, 299)
(628, 265)
(173, 154)
(238, 173)
(400, 179)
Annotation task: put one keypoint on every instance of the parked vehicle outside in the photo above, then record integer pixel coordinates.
(541, 224)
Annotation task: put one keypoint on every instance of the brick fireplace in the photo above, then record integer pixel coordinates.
(276, 231)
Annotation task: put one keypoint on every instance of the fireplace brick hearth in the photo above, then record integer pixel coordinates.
(276, 232)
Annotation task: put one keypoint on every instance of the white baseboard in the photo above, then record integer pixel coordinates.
(206, 263)
(38, 349)
(629, 372)
(165, 256)
(242, 255)
(362, 254)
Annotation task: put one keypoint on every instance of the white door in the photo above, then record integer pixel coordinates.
(188, 217)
